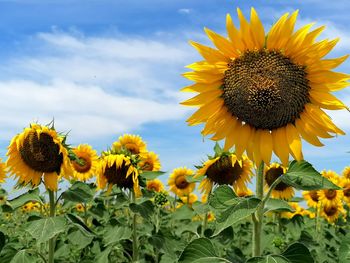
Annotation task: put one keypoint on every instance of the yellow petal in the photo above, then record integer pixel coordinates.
(326, 100)
(202, 98)
(280, 145)
(202, 87)
(294, 142)
(245, 31)
(231, 137)
(209, 54)
(266, 146)
(222, 44)
(233, 34)
(244, 137)
(50, 180)
(307, 133)
(204, 112)
(257, 29)
(203, 77)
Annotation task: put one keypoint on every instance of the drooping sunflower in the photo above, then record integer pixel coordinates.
(2, 171)
(225, 169)
(263, 92)
(117, 169)
(88, 161)
(155, 185)
(329, 197)
(38, 152)
(149, 162)
(312, 199)
(346, 172)
(178, 183)
(332, 212)
(282, 190)
(133, 143)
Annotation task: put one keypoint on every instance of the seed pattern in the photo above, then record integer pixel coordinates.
(41, 153)
(265, 89)
(223, 172)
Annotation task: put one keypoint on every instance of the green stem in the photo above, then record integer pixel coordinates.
(258, 215)
(85, 213)
(134, 234)
(205, 219)
(52, 214)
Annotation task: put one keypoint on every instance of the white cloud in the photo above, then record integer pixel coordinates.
(184, 11)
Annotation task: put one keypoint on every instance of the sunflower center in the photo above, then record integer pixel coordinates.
(147, 166)
(84, 166)
(330, 211)
(272, 174)
(347, 192)
(181, 182)
(223, 172)
(41, 153)
(314, 195)
(265, 89)
(330, 194)
(117, 176)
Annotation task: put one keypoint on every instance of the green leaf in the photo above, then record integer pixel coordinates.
(217, 149)
(199, 251)
(116, 234)
(268, 259)
(151, 175)
(184, 212)
(298, 253)
(145, 209)
(79, 240)
(103, 256)
(244, 208)
(2, 240)
(79, 192)
(23, 257)
(80, 224)
(277, 205)
(194, 179)
(221, 197)
(301, 175)
(44, 229)
(344, 250)
(31, 195)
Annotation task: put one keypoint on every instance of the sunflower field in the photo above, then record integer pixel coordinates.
(255, 199)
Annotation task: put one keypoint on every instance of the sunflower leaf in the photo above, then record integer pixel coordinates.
(79, 192)
(298, 253)
(31, 195)
(301, 175)
(145, 209)
(151, 175)
(277, 205)
(23, 257)
(268, 259)
(222, 197)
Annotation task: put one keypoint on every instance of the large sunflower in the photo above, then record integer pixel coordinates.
(178, 183)
(225, 169)
(330, 197)
(149, 162)
(2, 171)
(133, 143)
(117, 169)
(38, 152)
(88, 161)
(263, 92)
(282, 190)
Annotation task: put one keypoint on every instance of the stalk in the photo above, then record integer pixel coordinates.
(258, 215)
(52, 214)
(134, 233)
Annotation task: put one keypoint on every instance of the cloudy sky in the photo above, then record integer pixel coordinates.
(102, 68)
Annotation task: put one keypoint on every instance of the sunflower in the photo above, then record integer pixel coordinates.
(38, 152)
(346, 172)
(88, 161)
(155, 185)
(3, 199)
(79, 207)
(298, 210)
(2, 171)
(189, 199)
(282, 190)
(149, 162)
(332, 212)
(117, 169)
(178, 183)
(312, 199)
(263, 92)
(225, 169)
(329, 197)
(345, 184)
(132, 143)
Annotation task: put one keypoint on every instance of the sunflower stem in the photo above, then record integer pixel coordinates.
(134, 232)
(52, 214)
(258, 215)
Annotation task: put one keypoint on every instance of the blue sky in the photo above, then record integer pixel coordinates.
(103, 68)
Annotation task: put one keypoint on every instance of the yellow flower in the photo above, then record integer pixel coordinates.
(311, 197)
(329, 197)
(263, 92)
(178, 183)
(244, 193)
(346, 172)
(155, 185)
(38, 152)
(130, 142)
(149, 162)
(298, 210)
(332, 212)
(225, 169)
(345, 184)
(2, 199)
(117, 169)
(79, 208)
(211, 216)
(189, 199)
(2, 171)
(88, 162)
(282, 190)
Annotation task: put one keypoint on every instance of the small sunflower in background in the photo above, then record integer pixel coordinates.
(332, 212)
(3, 199)
(37, 153)
(150, 162)
(225, 169)
(118, 169)
(132, 143)
(189, 199)
(155, 185)
(346, 172)
(178, 183)
(281, 190)
(298, 210)
(2, 171)
(80, 207)
(330, 197)
(345, 184)
(264, 91)
(86, 167)
(312, 198)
